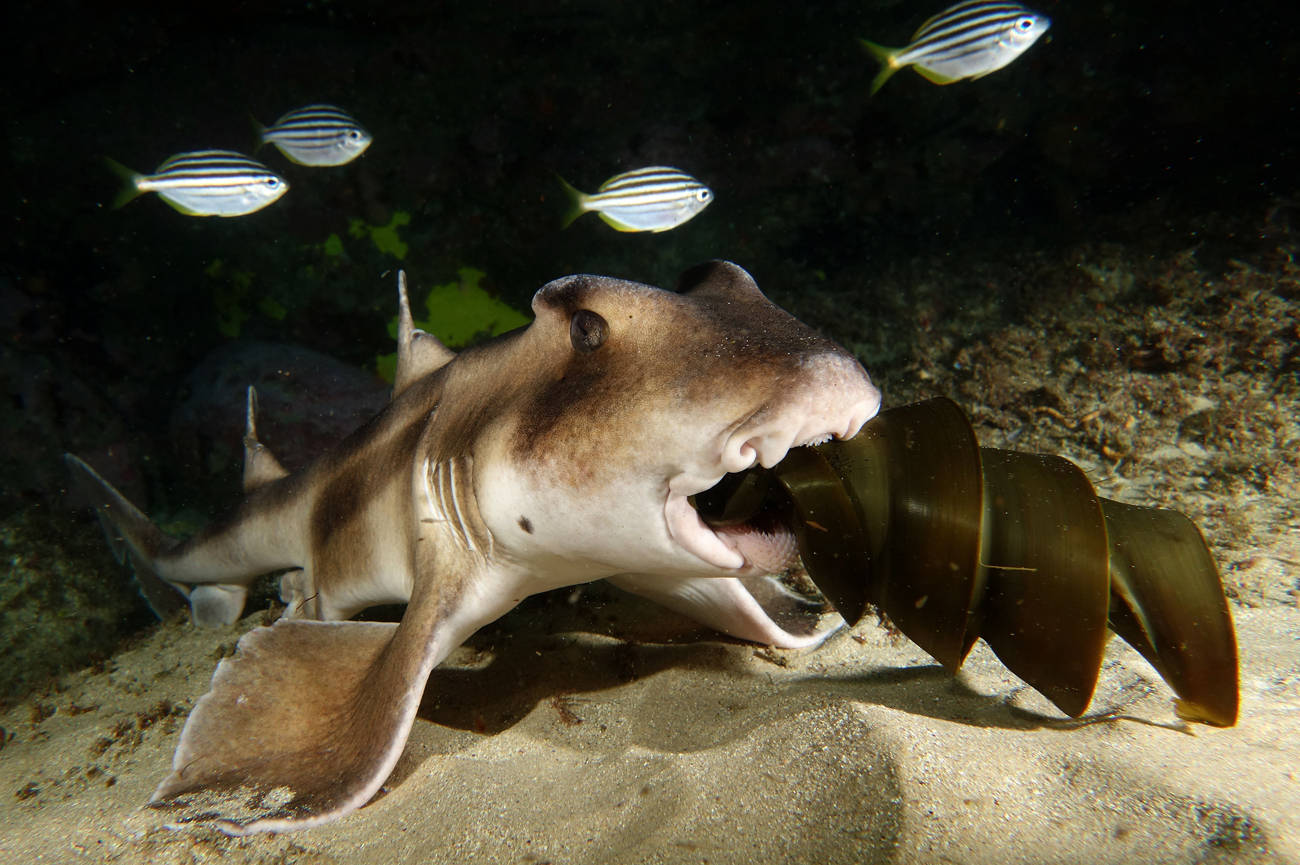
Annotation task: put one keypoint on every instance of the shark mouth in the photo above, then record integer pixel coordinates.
(733, 527)
(738, 532)
(730, 521)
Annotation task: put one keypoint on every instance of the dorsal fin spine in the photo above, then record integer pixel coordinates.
(418, 352)
(260, 465)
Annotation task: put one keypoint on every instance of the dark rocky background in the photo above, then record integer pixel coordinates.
(1123, 198)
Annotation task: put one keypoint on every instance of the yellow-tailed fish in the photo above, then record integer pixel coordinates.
(316, 135)
(647, 199)
(205, 183)
(968, 40)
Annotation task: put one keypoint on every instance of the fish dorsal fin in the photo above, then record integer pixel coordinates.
(418, 352)
(260, 465)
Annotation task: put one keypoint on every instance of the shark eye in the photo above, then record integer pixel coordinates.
(587, 331)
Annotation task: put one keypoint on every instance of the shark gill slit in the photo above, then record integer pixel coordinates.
(447, 480)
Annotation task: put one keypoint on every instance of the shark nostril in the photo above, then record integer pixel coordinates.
(738, 455)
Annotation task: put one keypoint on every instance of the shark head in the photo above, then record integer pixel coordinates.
(628, 400)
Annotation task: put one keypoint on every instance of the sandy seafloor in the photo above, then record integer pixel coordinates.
(593, 727)
(574, 746)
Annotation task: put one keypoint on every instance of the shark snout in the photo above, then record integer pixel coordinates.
(832, 399)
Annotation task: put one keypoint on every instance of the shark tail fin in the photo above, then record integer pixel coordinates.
(133, 538)
(136, 541)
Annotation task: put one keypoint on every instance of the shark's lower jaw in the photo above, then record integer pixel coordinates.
(761, 544)
(690, 533)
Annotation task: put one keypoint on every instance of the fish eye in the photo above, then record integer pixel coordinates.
(1025, 24)
(272, 182)
(354, 134)
(587, 331)
(704, 195)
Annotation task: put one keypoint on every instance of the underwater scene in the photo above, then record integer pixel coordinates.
(606, 432)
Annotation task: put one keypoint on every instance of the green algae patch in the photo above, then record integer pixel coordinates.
(385, 237)
(332, 247)
(458, 313)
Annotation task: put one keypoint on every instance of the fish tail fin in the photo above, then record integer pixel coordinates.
(575, 200)
(259, 132)
(130, 182)
(886, 58)
(133, 538)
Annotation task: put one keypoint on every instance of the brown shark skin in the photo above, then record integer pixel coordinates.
(540, 459)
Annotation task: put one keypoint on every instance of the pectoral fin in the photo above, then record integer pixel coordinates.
(306, 721)
(301, 726)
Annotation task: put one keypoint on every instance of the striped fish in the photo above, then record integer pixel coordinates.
(316, 135)
(205, 183)
(968, 40)
(647, 199)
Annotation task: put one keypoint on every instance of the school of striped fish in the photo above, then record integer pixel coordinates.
(226, 183)
(966, 41)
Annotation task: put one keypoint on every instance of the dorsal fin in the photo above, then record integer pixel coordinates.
(260, 465)
(418, 352)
